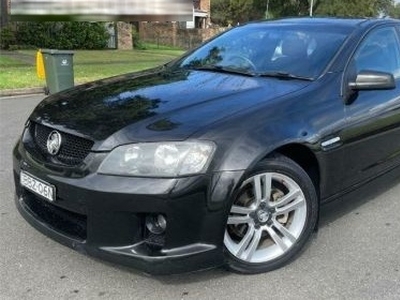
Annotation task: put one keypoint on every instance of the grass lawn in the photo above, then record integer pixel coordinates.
(18, 68)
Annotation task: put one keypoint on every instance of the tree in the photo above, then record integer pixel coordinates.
(223, 11)
(354, 8)
(220, 12)
(286, 8)
(394, 11)
(241, 10)
(346, 8)
(233, 11)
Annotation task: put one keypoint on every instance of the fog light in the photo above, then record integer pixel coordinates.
(156, 223)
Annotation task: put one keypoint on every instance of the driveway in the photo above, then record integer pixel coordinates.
(355, 255)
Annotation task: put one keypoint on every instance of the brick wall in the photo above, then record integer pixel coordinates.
(124, 32)
(170, 34)
(205, 5)
(202, 5)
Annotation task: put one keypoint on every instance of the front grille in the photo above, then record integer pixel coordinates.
(155, 240)
(73, 149)
(67, 222)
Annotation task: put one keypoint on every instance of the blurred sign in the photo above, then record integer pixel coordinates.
(102, 10)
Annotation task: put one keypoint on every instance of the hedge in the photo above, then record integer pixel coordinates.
(57, 35)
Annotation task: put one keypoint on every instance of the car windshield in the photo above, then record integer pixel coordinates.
(286, 51)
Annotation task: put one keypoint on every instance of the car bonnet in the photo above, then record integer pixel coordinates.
(155, 105)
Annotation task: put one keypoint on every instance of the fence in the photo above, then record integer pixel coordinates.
(172, 34)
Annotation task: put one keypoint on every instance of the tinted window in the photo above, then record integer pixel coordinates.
(299, 50)
(379, 51)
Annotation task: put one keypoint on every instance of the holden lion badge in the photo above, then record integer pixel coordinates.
(54, 142)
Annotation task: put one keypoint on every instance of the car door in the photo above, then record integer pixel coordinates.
(371, 140)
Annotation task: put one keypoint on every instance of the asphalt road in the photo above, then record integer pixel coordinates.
(355, 255)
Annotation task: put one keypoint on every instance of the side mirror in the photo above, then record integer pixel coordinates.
(373, 80)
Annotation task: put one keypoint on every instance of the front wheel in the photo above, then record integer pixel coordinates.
(272, 217)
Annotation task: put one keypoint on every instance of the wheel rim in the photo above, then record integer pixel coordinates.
(266, 219)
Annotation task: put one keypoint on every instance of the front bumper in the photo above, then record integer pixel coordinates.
(104, 216)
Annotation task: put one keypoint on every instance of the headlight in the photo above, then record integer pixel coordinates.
(166, 159)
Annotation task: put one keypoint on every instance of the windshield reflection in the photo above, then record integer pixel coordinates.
(257, 49)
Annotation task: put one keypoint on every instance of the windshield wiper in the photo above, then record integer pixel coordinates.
(284, 75)
(222, 69)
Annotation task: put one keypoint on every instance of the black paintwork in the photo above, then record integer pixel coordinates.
(248, 118)
(156, 105)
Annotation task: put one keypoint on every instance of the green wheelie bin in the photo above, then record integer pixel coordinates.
(59, 70)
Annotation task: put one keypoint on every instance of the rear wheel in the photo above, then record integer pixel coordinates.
(272, 217)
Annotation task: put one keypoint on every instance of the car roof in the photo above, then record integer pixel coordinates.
(333, 21)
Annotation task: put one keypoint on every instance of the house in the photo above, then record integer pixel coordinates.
(201, 14)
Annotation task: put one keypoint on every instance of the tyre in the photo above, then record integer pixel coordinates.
(272, 217)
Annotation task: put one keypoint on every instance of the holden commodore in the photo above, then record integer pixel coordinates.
(221, 157)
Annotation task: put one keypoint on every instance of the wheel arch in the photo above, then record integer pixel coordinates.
(305, 158)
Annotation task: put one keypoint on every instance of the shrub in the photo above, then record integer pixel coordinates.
(7, 38)
(62, 35)
(136, 41)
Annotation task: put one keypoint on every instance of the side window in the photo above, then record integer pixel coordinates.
(379, 51)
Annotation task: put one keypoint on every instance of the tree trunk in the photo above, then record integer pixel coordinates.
(4, 13)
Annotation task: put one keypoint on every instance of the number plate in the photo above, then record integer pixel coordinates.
(38, 186)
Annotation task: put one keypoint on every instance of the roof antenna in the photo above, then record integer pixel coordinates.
(311, 8)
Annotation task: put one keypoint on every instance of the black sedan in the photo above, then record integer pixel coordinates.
(221, 157)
